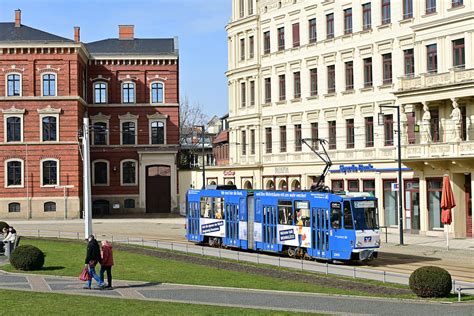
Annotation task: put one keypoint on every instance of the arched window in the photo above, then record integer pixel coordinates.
(50, 207)
(157, 92)
(128, 92)
(14, 172)
(248, 185)
(157, 132)
(282, 185)
(270, 185)
(49, 128)
(14, 85)
(100, 92)
(230, 182)
(13, 207)
(128, 133)
(295, 185)
(49, 171)
(101, 173)
(49, 85)
(129, 172)
(100, 133)
(14, 129)
(129, 203)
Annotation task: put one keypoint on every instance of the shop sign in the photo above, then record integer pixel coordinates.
(356, 168)
(229, 173)
(394, 186)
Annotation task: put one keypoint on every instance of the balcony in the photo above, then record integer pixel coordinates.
(439, 150)
(454, 76)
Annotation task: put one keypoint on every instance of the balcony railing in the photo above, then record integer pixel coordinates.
(434, 80)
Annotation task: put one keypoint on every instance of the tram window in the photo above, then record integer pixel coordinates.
(212, 207)
(302, 213)
(336, 215)
(285, 213)
(348, 224)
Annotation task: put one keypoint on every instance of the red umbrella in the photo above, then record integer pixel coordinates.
(447, 201)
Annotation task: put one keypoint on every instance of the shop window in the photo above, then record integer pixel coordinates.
(337, 186)
(353, 185)
(434, 187)
(368, 186)
(389, 203)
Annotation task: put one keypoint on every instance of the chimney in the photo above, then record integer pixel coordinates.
(17, 18)
(77, 34)
(126, 32)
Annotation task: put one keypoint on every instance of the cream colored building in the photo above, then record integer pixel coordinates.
(406, 54)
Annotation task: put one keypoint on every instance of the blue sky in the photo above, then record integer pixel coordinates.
(199, 24)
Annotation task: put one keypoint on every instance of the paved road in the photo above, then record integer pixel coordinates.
(276, 300)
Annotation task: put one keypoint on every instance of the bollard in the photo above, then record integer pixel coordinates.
(77, 236)
(258, 261)
(38, 233)
(454, 286)
(59, 235)
(187, 250)
(128, 241)
(301, 264)
(459, 294)
(238, 256)
(112, 238)
(327, 268)
(143, 242)
(354, 274)
(279, 262)
(172, 247)
(202, 251)
(384, 277)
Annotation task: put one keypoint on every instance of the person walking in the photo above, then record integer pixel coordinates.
(10, 238)
(106, 263)
(92, 258)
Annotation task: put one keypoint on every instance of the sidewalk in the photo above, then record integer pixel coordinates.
(249, 298)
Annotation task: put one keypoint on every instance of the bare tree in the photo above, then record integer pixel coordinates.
(190, 117)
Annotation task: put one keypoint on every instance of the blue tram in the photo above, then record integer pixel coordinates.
(319, 225)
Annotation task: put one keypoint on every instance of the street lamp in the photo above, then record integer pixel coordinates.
(203, 157)
(399, 160)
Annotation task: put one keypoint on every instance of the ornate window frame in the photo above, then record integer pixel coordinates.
(157, 117)
(100, 118)
(58, 173)
(151, 91)
(128, 118)
(6, 84)
(121, 172)
(108, 173)
(22, 185)
(55, 83)
(13, 112)
(128, 81)
(49, 111)
(99, 81)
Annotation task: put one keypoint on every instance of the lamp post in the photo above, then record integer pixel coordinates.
(399, 160)
(203, 158)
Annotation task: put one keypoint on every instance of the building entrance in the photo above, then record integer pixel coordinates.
(158, 189)
(412, 205)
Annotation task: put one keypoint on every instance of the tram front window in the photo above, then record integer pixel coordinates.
(365, 215)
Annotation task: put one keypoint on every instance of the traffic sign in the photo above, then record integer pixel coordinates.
(395, 187)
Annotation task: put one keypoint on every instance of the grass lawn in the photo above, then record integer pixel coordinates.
(62, 304)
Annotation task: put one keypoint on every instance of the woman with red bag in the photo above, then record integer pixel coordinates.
(92, 258)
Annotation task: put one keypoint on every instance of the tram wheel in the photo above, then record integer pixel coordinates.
(291, 252)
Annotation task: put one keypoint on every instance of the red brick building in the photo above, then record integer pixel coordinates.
(129, 89)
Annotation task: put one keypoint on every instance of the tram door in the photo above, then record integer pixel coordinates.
(232, 224)
(269, 228)
(320, 233)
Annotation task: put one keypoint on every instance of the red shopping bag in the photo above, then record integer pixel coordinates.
(85, 276)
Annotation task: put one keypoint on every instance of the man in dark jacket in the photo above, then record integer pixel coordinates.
(92, 258)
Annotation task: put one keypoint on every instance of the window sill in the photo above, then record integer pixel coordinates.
(131, 184)
(385, 26)
(296, 100)
(456, 7)
(329, 40)
(310, 44)
(369, 30)
(351, 91)
(427, 14)
(313, 97)
(281, 102)
(266, 104)
(14, 186)
(330, 95)
(365, 89)
(49, 186)
(100, 185)
(406, 20)
(347, 35)
(386, 86)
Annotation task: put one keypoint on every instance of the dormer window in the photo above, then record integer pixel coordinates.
(49, 85)
(100, 92)
(128, 92)
(157, 92)
(14, 85)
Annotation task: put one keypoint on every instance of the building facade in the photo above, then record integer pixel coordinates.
(127, 87)
(326, 69)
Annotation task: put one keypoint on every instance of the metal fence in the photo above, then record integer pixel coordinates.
(256, 258)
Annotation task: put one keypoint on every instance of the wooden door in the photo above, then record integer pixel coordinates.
(158, 189)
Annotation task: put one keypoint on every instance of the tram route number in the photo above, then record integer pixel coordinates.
(212, 227)
(287, 234)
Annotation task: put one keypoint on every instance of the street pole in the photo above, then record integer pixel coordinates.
(399, 161)
(400, 179)
(86, 180)
(203, 160)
